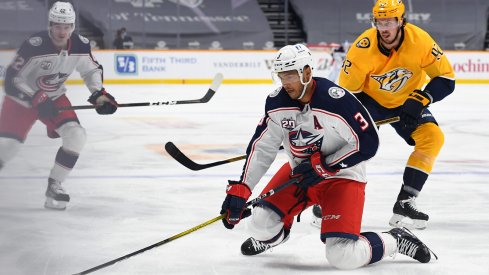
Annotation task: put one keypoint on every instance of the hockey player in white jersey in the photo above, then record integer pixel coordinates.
(35, 90)
(328, 136)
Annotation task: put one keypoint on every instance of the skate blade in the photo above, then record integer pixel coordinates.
(54, 204)
(401, 221)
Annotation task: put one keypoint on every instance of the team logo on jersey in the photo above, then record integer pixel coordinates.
(363, 43)
(394, 80)
(336, 92)
(35, 41)
(303, 143)
(52, 82)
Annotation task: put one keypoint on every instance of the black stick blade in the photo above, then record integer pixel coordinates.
(175, 153)
(179, 156)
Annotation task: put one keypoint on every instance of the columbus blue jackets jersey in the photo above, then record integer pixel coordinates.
(334, 123)
(40, 66)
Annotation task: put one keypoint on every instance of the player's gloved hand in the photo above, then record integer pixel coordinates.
(412, 108)
(105, 102)
(313, 170)
(234, 203)
(45, 106)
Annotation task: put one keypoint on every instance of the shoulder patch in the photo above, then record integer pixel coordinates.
(84, 39)
(35, 41)
(363, 43)
(336, 92)
(275, 93)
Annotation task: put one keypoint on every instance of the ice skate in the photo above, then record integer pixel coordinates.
(56, 196)
(407, 215)
(317, 216)
(252, 246)
(408, 244)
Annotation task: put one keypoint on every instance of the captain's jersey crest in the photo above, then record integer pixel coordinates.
(303, 143)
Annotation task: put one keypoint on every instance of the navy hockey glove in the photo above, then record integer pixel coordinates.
(313, 170)
(45, 106)
(412, 108)
(234, 203)
(104, 101)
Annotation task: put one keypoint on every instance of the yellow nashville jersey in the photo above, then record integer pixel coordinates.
(389, 79)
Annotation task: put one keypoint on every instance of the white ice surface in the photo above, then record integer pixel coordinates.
(127, 194)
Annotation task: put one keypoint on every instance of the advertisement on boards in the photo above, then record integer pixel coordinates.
(238, 67)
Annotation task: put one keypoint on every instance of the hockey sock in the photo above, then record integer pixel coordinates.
(413, 183)
(376, 244)
(65, 161)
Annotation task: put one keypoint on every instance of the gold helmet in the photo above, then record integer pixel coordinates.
(388, 9)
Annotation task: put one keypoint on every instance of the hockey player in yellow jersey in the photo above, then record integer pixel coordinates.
(386, 68)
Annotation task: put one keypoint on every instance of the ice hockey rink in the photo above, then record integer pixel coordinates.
(127, 194)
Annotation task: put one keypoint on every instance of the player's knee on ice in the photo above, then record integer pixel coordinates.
(73, 135)
(264, 224)
(344, 253)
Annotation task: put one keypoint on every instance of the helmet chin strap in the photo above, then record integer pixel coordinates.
(305, 87)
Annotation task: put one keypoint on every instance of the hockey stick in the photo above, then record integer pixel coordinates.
(175, 153)
(179, 156)
(387, 121)
(210, 93)
(186, 232)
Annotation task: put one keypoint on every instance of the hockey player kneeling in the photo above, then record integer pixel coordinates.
(328, 136)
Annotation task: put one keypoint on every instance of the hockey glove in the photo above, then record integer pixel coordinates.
(313, 170)
(104, 101)
(45, 106)
(412, 108)
(234, 204)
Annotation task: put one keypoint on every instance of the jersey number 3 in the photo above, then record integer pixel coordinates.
(363, 123)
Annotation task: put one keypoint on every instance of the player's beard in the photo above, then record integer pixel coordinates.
(388, 43)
